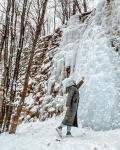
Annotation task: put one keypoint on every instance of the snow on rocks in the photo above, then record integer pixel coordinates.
(37, 87)
(51, 106)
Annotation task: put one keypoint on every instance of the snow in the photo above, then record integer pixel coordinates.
(42, 136)
(34, 109)
(45, 66)
(86, 48)
(29, 100)
(49, 105)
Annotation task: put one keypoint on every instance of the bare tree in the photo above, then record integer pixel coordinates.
(19, 51)
(78, 6)
(4, 44)
(15, 117)
(85, 5)
(10, 29)
(74, 7)
(55, 14)
(69, 8)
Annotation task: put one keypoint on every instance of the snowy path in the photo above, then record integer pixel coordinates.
(42, 136)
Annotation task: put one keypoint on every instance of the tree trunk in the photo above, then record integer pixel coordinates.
(8, 106)
(16, 70)
(19, 51)
(85, 5)
(15, 118)
(77, 5)
(55, 16)
(4, 42)
(74, 7)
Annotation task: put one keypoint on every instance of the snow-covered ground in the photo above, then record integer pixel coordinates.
(42, 136)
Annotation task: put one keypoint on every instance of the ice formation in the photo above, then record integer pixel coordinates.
(86, 48)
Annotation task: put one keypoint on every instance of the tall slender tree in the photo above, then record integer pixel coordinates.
(10, 31)
(15, 117)
(4, 45)
(85, 5)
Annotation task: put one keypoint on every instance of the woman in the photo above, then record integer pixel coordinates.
(70, 118)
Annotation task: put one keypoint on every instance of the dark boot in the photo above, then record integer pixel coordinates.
(68, 134)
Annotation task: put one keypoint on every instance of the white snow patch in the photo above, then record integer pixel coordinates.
(42, 136)
(29, 99)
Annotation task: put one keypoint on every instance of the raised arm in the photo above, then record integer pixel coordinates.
(80, 83)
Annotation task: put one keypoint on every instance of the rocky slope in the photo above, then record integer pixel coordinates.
(35, 100)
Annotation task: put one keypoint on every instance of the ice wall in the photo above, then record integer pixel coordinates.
(86, 47)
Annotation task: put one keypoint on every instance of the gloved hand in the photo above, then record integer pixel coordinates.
(83, 78)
